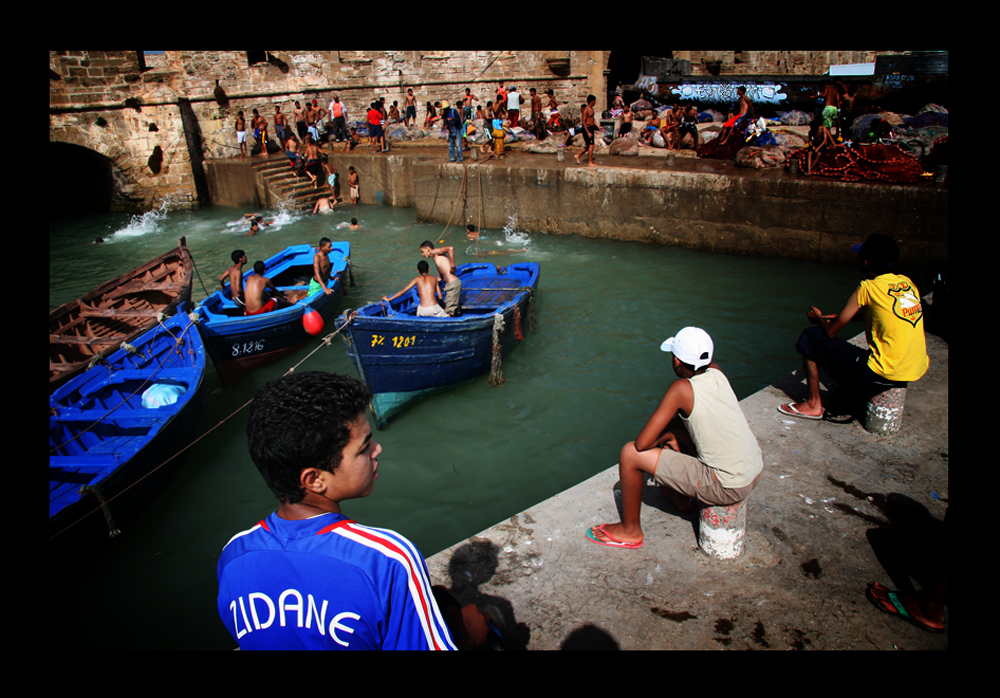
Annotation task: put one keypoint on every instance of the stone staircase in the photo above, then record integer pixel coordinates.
(283, 187)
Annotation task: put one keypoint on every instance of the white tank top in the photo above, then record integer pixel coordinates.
(720, 431)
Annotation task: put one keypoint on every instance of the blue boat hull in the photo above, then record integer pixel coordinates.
(239, 343)
(403, 358)
(105, 448)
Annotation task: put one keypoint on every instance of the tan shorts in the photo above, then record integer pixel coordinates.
(692, 478)
(452, 295)
(431, 311)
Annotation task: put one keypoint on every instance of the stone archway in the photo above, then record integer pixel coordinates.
(95, 172)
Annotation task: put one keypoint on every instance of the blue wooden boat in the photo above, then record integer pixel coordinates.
(110, 446)
(239, 343)
(403, 358)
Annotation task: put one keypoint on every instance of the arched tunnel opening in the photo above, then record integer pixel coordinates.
(91, 180)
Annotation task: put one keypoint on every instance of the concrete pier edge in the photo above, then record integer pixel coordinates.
(838, 507)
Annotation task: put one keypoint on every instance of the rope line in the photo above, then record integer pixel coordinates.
(103, 503)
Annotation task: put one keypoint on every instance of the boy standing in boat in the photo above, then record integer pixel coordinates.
(234, 275)
(429, 290)
(321, 268)
(308, 577)
(444, 258)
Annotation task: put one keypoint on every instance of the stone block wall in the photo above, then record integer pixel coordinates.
(776, 62)
(128, 106)
(108, 100)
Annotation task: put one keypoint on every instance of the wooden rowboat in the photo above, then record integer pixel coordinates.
(404, 358)
(91, 327)
(238, 343)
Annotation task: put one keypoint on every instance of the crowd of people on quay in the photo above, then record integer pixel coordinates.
(840, 133)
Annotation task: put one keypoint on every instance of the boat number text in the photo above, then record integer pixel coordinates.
(248, 348)
(397, 342)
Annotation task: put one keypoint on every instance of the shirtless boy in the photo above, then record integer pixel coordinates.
(321, 268)
(260, 131)
(257, 285)
(279, 124)
(241, 134)
(467, 101)
(429, 290)
(353, 183)
(410, 103)
(444, 258)
(323, 205)
(234, 275)
(300, 120)
(314, 167)
(587, 127)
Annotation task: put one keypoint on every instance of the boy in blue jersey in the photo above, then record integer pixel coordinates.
(307, 577)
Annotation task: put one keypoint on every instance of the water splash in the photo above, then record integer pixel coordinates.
(512, 235)
(271, 221)
(144, 223)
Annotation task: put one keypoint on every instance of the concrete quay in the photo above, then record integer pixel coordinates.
(837, 508)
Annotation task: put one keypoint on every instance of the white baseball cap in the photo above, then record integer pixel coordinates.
(692, 345)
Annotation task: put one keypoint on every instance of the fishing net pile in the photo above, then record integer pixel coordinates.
(869, 161)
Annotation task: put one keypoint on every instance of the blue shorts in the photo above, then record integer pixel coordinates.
(842, 361)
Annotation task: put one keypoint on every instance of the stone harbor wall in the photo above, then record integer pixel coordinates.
(154, 119)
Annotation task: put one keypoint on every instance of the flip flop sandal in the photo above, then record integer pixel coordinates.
(898, 610)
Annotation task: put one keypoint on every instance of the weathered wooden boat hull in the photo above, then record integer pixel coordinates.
(403, 358)
(239, 343)
(94, 325)
(105, 448)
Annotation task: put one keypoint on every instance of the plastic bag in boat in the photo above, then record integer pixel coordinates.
(162, 394)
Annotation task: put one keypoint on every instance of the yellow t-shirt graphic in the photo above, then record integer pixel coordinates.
(894, 327)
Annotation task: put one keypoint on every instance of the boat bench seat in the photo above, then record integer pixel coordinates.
(186, 375)
(72, 473)
(144, 417)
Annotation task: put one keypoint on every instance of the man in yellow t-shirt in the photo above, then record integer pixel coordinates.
(894, 328)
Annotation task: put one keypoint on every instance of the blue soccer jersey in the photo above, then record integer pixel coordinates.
(327, 583)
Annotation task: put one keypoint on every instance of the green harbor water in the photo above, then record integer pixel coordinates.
(580, 385)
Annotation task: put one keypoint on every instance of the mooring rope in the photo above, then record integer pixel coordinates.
(113, 530)
(103, 503)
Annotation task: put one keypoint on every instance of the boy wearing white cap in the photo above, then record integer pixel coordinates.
(700, 415)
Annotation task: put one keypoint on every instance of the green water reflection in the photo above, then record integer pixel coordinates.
(580, 385)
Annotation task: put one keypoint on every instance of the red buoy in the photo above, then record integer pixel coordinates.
(312, 321)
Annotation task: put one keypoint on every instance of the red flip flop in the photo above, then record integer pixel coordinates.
(612, 541)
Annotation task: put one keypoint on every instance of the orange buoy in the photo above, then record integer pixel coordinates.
(312, 321)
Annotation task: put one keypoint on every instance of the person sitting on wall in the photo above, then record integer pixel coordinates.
(697, 444)
(894, 329)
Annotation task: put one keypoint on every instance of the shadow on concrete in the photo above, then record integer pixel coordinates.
(473, 565)
(912, 544)
(589, 637)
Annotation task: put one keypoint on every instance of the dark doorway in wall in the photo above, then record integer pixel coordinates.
(91, 181)
(625, 67)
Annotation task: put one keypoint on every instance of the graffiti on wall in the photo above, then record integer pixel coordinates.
(724, 93)
(646, 82)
